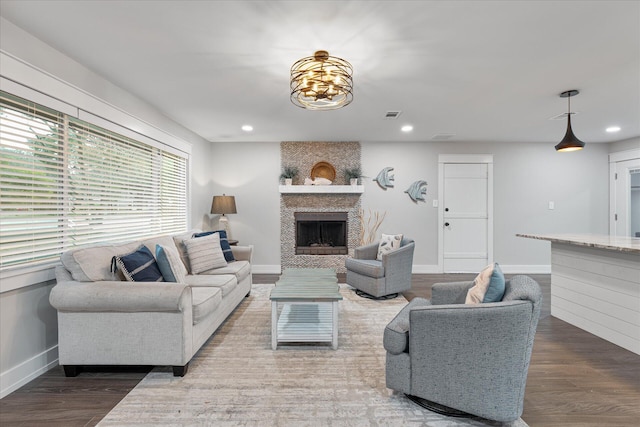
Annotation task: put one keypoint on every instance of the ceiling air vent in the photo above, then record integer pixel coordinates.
(392, 114)
(442, 136)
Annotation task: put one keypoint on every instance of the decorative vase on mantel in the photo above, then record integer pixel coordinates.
(352, 175)
(288, 173)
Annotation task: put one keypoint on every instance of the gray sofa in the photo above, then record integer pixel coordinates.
(472, 358)
(103, 320)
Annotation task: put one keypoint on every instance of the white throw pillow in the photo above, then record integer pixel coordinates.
(205, 253)
(388, 243)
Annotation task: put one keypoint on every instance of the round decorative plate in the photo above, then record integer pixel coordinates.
(323, 170)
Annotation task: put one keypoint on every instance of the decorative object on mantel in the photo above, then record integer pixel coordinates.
(288, 173)
(323, 170)
(417, 190)
(570, 142)
(385, 178)
(352, 175)
(321, 82)
(369, 227)
(224, 205)
(317, 181)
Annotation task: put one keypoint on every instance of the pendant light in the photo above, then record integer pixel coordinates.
(570, 142)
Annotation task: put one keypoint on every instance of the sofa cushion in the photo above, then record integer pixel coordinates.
(170, 264)
(488, 286)
(396, 333)
(240, 269)
(388, 243)
(166, 241)
(139, 266)
(226, 282)
(224, 243)
(205, 300)
(366, 267)
(92, 264)
(205, 253)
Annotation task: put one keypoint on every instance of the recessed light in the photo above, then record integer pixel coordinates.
(612, 129)
(406, 128)
(247, 128)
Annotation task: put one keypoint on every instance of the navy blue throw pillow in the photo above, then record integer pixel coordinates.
(224, 243)
(139, 266)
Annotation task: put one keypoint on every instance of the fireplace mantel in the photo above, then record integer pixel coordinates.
(321, 189)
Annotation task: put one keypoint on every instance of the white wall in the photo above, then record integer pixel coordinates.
(250, 171)
(526, 178)
(28, 325)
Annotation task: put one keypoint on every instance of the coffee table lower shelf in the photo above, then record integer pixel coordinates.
(305, 322)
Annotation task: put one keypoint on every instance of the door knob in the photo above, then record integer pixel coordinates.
(446, 224)
(446, 209)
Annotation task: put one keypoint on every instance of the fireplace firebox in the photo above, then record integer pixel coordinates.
(321, 233)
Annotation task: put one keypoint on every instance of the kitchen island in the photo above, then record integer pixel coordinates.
(595, 284)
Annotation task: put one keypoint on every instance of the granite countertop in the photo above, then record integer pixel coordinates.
(601, 241)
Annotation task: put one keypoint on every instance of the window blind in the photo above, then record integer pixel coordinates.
(65, 182)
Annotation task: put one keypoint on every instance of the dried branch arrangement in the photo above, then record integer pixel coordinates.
(369, 226)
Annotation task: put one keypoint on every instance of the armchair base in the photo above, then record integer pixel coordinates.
(437, 408)
(363, 294)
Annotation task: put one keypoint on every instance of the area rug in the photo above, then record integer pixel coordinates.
(237, 380)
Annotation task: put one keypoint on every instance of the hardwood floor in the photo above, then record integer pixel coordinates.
(575, 379)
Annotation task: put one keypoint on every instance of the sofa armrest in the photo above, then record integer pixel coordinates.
(450, 293)
(369, 251)
(242, 253)
(117, 296)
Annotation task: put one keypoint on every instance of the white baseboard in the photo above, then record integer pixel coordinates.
(266, 269)
(425, 269)
(428, 269)
(16, 377)
(526, 269)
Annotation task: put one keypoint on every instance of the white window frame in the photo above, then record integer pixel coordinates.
(29, 82)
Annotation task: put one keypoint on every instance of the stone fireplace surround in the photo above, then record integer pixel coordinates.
(304, 155)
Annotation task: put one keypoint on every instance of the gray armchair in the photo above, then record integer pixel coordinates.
(472, 358)
(382, 278)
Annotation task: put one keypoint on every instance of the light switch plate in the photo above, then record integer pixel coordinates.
(435, 203)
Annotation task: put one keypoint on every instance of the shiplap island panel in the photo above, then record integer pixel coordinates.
(595, 285)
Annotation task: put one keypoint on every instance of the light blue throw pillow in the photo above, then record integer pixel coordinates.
(170, 264)
(495, 292)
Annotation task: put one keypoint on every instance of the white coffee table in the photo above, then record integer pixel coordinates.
(304, 307)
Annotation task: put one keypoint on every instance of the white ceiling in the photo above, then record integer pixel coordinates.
(482, 70)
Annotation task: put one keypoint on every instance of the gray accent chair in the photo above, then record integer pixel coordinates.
(472, 358)
(389, 276)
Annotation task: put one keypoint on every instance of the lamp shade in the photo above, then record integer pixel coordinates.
(570, 142)
(223, 205)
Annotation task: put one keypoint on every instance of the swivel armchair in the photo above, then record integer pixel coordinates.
(383, 278)
(469, 358)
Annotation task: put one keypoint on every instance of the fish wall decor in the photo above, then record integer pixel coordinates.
(417, 190)
(385, 178)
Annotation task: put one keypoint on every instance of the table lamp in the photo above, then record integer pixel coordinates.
(224, 205)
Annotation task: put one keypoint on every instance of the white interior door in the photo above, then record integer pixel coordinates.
(466, 210)
(625, 195)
